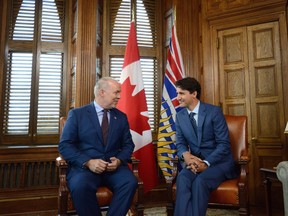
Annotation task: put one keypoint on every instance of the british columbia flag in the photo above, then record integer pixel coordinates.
(166, 147)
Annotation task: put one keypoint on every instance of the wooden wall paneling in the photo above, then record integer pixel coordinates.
(160, 55)
(3, 20)
(85, 52)
(220, 9)
(210, 82)
(233, 67)
(73, 10)
(266, 96)
(233, 76)
(214, 19)
(266, 84)
(66, 82)
(283, 23)
(268, 158)
(28, 180)
(168, 4)
(2, 10)
(189, 37)
(183, 18)
(99, 39)
(105, 39)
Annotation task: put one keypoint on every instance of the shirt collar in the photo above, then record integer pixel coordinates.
(98, 108)
(195, 110)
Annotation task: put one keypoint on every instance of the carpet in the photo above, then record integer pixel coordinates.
(161, 211)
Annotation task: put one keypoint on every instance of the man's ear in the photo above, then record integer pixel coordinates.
(101, 92)
(195, 94)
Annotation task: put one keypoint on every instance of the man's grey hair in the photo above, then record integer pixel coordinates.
(103, 83)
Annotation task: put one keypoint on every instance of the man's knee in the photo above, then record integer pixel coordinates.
(133, 183)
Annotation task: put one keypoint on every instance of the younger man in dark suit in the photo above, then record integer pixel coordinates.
(202, 141)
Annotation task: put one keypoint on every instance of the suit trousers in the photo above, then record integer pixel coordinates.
(193, 190)
(84, 184)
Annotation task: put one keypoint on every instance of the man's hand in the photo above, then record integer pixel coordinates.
(194, 163)
(97, 165)
(115, 163)
(200, 167)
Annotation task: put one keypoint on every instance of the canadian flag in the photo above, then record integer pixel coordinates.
(133, 103)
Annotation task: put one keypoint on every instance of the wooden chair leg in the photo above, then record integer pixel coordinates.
(170, 210)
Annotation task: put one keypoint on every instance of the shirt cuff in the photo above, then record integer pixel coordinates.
(208, 164)
(84, 165)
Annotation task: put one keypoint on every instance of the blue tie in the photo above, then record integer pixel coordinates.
(193, 121)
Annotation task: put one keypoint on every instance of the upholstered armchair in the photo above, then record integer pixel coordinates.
(231, 193)
(104, 195)
(282, 175)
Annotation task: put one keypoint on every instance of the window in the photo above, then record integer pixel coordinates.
(34, 72)
(145, 17)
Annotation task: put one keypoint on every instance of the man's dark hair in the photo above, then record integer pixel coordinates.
(190, 84)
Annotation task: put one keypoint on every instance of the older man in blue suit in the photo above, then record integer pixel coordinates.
(93, 161)
(203, 144)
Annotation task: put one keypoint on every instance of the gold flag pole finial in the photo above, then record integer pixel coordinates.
(133, 15)
(286, 129)
(174, 14)
(133, 7)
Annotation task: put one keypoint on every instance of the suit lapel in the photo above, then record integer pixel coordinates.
(93, 117)
(112, 124)
(188, 125)
(201, 118)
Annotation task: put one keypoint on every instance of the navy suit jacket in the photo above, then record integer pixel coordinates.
(212, 144)
(82, 140)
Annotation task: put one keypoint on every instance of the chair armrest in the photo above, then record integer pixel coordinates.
(244, 159)
(170, 182)
(135, 162)
(282, 175)
(243, 163)
(62, 165)
(63, 189)
(174, 162)
(138, 200)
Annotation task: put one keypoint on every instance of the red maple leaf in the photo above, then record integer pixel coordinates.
(133, 106)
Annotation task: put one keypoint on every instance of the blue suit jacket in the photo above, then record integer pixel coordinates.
(82, 140)
(213, 143)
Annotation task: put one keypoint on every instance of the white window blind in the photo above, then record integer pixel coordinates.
(18, 95)
(49, 95)
(33, 87)
(120, 17)
(52, 21)
(23, 20)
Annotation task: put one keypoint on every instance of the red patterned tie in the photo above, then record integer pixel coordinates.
(105, 126)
